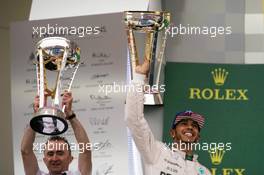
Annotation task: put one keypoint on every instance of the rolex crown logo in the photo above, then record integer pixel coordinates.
(216, 156)
(219, 76)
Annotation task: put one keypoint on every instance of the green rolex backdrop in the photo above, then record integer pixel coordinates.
(231, 98)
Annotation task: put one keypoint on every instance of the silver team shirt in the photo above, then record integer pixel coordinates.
(158, 158)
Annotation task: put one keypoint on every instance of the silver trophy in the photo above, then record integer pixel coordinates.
(57, 60)
(152, 24)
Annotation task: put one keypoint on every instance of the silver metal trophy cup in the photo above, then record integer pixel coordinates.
(151, 24)
(57, 60)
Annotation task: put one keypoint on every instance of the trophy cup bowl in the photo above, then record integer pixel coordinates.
(59, 56)
(153, 24)
(147, 21)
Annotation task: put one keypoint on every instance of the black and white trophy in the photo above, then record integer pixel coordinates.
(57, 60)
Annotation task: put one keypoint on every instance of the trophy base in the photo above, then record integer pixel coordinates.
(49, 121)
(153, 99)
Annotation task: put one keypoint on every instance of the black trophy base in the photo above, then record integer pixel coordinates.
(49, 121)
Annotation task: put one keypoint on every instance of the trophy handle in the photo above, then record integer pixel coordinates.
(40, 79)
(70, 85)
(160, 56)
(56, 101)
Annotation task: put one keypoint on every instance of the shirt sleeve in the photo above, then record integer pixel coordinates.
(140, 130)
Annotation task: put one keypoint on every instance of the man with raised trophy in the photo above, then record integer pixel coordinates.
(158, 158)
(59, 56)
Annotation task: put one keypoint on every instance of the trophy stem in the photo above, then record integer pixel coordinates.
(148, 45)
(37, 71)
(55, 87)
(132, 50)
(160, 57)
(41, 80)
(58, 84)
(153, 57)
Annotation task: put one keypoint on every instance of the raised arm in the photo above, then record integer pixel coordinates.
(134, 116)
(85, 157)
(29, 159)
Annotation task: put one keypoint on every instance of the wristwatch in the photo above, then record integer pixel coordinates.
(71, 116)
